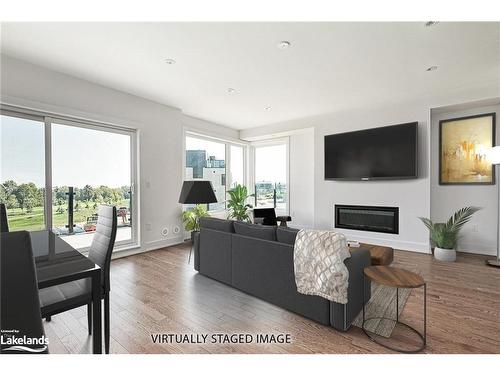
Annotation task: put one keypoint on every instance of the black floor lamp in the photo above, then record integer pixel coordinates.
(494, 157)
(197, 192)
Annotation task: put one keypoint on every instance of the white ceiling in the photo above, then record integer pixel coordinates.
(329, 67)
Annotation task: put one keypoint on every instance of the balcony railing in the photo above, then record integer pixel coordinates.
(74, 216)
(270, 195)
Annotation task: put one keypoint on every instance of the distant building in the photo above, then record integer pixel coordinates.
(198, 166)
(196, 159)
(212, 162)
(264, 186)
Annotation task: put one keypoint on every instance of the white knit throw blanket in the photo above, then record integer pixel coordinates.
(319, 264)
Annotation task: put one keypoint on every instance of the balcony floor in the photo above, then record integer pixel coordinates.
(83, 240)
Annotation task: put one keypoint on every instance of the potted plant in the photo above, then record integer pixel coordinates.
(444, 236)
(191, 218)
(236, 204)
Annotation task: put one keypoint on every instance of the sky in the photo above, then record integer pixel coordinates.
(22, 151)
(270, 163)
(79, 156)
(213, 148)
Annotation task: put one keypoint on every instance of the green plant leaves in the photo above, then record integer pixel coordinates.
(191, 218)
(445, 235)
(460, 218)
(238, 209)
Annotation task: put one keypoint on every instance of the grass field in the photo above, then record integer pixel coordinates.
(19, 220)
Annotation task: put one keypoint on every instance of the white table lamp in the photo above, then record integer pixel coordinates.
(494, 158)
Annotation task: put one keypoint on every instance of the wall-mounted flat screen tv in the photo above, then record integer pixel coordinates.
(389, 152)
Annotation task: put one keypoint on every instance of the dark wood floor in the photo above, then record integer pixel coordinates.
(158, 292)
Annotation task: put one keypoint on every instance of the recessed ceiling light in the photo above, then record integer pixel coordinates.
(284, 44)
(431, 23)
(231, 90)
(268, 108)
(170, 61)
(431, 68)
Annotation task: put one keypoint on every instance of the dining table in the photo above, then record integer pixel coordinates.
(57, 262)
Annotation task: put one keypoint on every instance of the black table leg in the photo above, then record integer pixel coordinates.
(96, 313)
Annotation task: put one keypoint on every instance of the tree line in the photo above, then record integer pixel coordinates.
(26, 196)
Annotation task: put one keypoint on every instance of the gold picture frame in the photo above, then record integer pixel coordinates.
(463, 146)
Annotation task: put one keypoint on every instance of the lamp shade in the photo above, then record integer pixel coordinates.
(195, 192)
(494, 155)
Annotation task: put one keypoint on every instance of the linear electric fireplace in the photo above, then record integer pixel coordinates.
(368, 218)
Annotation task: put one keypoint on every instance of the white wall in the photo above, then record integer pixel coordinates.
(209, 128)
(160, 134)
(301, 178)
(446, 199)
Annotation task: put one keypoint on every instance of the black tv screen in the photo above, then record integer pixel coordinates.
(389, 152)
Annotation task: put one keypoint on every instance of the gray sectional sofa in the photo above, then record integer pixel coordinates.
(258, 260)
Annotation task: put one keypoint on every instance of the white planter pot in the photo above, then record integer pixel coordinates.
(445, 255)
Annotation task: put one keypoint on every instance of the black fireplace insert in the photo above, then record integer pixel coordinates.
(367, 218)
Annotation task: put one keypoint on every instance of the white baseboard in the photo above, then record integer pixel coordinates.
(396, 244)
(158, 244)
(478, 249)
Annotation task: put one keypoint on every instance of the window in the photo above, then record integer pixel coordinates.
(87, 164)
(22, 171)
(96, 166)
(217, 161)
(237, 165)
(206, 160)
(271, 176)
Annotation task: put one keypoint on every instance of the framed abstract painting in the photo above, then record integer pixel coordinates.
(463, 146)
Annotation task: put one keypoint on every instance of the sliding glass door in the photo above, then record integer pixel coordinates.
(22, 171)
(56, 172)
(89, 167)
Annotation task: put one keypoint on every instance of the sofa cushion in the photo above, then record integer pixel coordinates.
(286, 235)
(257, 231)
(217, 224)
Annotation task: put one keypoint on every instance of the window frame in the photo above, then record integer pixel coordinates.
(227, 143)
(266, 143)
(48, 119)
(47, 220)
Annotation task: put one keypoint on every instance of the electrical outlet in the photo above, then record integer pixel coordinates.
(475, 228)
(148, 227)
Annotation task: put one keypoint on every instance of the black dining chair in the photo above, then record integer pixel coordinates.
(265, 216)
(64, 297)
(20, 307)
(4, 224)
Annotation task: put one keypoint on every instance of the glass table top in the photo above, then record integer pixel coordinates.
(55, 258)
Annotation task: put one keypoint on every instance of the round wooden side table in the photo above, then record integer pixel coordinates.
(396, 278)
